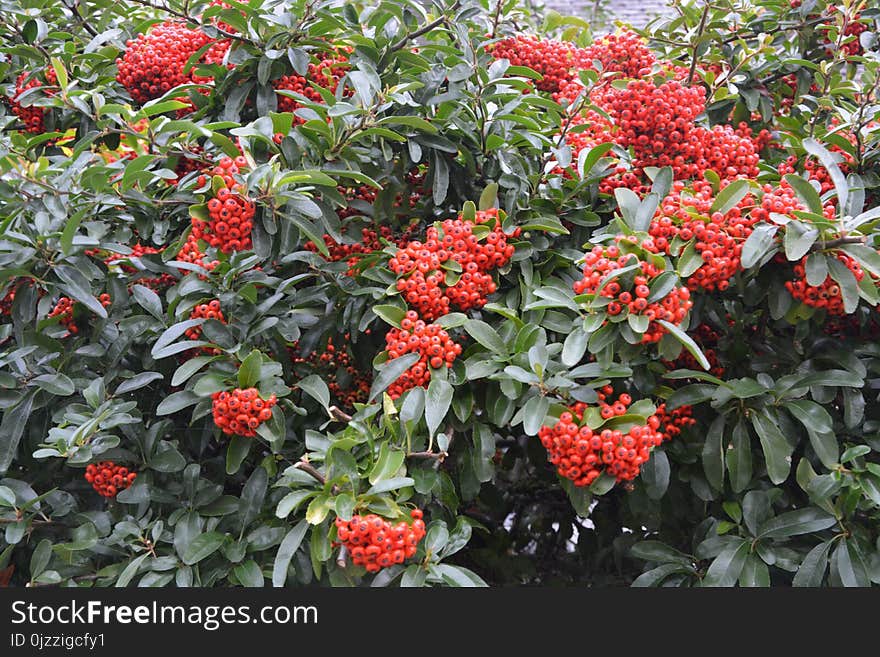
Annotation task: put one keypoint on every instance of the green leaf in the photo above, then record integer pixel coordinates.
(811, 572)
(819, 426)
(316, 388)
(713, 454)
(739, 458)
(40, 558)
(827, 160)
(488, 197)
(777, 450)
(655, 474)
(793, 523)
(15, 419)
(574, 347)
(754, 573)
(292, 540)
(148, 300)
(388, 463)
(164, 347)
(137, 382)
(77, 286)
(798, 239)
(237, 451)
(758, 244)
(534, 413)
(202, 547)
(249, 574)
(249, 370)
(486, 336)
(846, 280)
(391, 314)
(437, 402)
(291, 502)
(56, 384)
(727, 566)
(729, 197)
(390, 372)
(850, 565)
(130, 571)
(688, 343)
(806, 193)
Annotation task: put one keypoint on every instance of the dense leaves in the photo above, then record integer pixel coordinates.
(318, 293)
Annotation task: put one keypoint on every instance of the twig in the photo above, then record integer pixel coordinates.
(840, 241)
(342, 559)
(423, 30)
(74, 9)
(438, 456)
(496, 18)
(338, 414)
(309, 469)
(700, 30)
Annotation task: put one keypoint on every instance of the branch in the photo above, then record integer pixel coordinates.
(700, 30)
(342, 559)
(74, 9)
(338, 414)
(840, 241)
(423, 30)
(438, 456)
(309, 469)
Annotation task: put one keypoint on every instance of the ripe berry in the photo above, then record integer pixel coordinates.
(376, 543)
(108, 478)
(241, 411)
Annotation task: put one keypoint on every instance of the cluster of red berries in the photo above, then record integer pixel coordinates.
(719, 241)
(631, 294)
(420, 265)
(581, 454)
(854, 27)
(63, 310)
(210, 310)
(375, 543)
(192, 253)
(32, 117)
(673, 422)
(429, 340)
(108, 478)
(138, 250)
(231, 212)
(827, 295)
(187, 163)
(325, 73)
(557, 61)
(347, 383)
(371, 237)
(154, 62)
(624, 52)
(240, 411)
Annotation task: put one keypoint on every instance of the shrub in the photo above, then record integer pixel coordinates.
(319, 293)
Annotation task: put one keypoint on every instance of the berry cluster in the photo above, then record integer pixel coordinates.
(154, 62)
(241, 411)
(108, 478)
(557, 61)
(210, 310)
(422, 271)
(231, 212)
(192, 253)
(630, 293)
(155, 283)
(375, 543)
(673, 422)
(429, 340)
(32, 117)
(63, 310)
(325, 73)
(717, 237)
(826, 296)
(582, 454)
(348, 384)
(371, 237)
(624, 52)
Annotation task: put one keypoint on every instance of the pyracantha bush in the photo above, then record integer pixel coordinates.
(601, 307)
